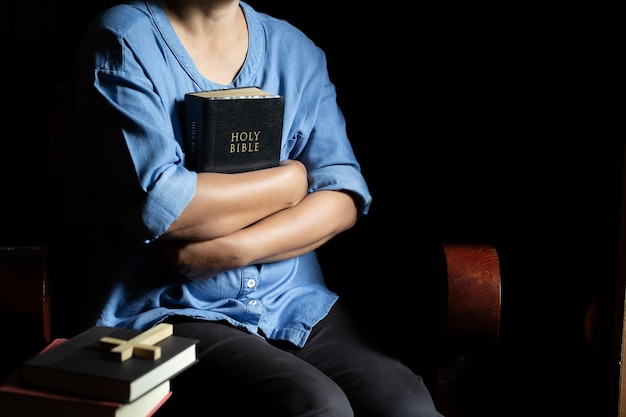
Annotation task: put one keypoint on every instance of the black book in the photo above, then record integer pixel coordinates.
(81, 365)
(233, 130)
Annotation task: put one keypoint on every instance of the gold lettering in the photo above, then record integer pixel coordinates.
(245, 136)
(245, 147)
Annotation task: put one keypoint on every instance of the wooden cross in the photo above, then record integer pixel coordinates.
(141, 345)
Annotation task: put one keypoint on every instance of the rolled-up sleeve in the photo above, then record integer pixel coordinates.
(319, 136)
(132, 137)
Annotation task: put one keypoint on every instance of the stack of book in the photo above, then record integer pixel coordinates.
(102, 372)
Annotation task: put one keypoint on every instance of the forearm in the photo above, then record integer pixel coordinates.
(285, 234)
(289, 233)
(225, 203)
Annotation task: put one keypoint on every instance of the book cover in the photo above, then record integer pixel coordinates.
(233, 130)
(80, 366)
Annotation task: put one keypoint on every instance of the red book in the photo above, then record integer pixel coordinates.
(19, 400)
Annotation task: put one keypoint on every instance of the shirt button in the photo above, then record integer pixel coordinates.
(252, 302)
(251, 283)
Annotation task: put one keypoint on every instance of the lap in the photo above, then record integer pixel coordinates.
(336, 373)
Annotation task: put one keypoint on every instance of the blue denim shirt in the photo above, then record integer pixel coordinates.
(127, 181)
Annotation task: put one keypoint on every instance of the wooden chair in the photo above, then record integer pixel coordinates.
(470, 322)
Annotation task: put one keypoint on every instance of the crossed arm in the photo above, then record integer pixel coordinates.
(253, 217)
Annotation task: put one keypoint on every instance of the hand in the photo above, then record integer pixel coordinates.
(202, 259)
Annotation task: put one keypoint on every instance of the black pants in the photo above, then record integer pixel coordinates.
(334, 375)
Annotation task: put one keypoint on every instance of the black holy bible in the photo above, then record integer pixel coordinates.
(233, 130)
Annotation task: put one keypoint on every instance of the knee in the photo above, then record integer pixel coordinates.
(403, 403)
(321, 398)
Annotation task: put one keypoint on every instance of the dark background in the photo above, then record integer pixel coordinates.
(477, 120)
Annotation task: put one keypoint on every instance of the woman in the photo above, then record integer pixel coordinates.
(228, 258)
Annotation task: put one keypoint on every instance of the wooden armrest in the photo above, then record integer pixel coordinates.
(473, 294)
(24, 302)
(471, 328)
(24, 285)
